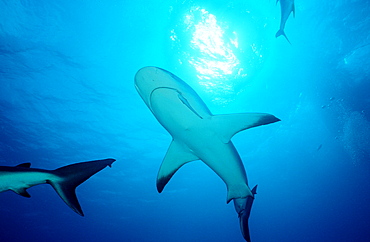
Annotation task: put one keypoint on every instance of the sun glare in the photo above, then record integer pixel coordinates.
(225, 56)
(214, 56)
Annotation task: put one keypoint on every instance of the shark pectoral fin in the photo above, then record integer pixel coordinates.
(25, 165)
(22, 192)
(69, 177)
(227, 125)
(177, 155)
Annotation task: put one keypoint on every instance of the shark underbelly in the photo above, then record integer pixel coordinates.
(193, 128)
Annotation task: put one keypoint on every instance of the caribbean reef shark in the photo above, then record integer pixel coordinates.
(197, 134)
(64, 180)
(287, 6)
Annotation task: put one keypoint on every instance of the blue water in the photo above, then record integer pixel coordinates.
(67, 95)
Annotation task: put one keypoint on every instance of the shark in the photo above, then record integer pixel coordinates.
(286, 6)
(64, 180)
(197, 134)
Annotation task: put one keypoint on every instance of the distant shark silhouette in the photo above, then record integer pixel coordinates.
(287, 6)
(199, 135)
(64, 180)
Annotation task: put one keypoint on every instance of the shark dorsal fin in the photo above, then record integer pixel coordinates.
(177, 155)
(227, 125)
(25, 165)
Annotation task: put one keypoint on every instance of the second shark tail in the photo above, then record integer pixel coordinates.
(71, 176)
(281, 32)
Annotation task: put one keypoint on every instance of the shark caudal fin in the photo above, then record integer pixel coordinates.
(73, 175)
(244, 214)
(281, 32)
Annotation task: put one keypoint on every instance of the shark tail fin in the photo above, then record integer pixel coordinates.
(71, 176)
(244, 213)
(244, 227)
(281, 32)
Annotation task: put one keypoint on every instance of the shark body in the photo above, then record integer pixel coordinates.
(286, 7)
(64, 180)
(197, 133)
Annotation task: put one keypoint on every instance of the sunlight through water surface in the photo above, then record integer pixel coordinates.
(215, 51)
(216, 59)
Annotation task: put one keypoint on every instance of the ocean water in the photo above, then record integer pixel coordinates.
(67, 95)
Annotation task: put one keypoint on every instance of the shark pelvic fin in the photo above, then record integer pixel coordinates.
(254, 190)
(240, 191)
(22, 192)
(73, 175)
(177, 155)
(227, 125)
